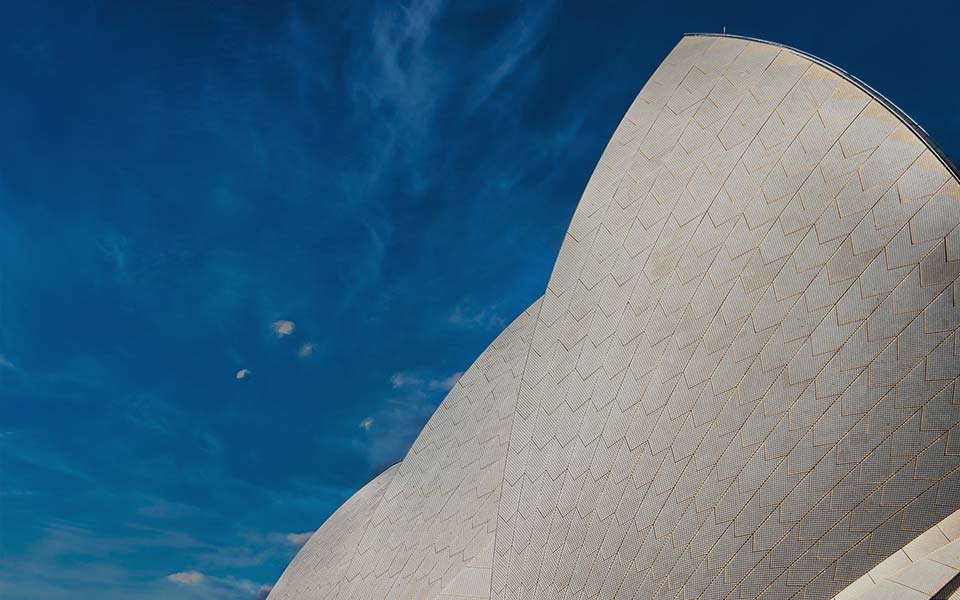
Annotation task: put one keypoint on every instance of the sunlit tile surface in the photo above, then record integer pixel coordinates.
(739, 383)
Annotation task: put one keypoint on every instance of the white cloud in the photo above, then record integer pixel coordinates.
(305, 350)
(397, 424)
(262, 592)
(484, 317)
(186, 578)
(283, 328)
(401, 419)
(298, 539)
(446, 383)
(220, 587)
(408, 380)
(242, 373)
(399, 380)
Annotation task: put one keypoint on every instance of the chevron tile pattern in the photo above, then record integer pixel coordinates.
(921, 569)
(430, 533)
(751, 311)
(320, 565)
(741, 381)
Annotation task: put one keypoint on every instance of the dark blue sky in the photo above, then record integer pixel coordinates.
(178, 181)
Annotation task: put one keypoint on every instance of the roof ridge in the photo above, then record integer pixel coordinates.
(915, 127)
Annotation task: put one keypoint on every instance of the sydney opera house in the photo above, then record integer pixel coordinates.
(740, 381)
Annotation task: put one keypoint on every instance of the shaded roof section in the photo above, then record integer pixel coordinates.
(925, 568)
(886, 102)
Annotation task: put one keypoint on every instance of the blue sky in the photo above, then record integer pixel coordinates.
(246, 247)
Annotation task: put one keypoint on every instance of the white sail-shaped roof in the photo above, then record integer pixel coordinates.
(741, 379)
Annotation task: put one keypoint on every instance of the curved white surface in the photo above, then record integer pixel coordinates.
(317, 569)
(741, 381)
(921, 570)
(430, 533)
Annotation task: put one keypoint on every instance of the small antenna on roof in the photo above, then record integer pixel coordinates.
(724, 30)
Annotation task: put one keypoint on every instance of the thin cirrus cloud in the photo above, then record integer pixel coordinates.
(509, 51)
(446, 383)
(406, 94)
(485, 318)
(186, 578)
(263, 591)
(298, 539)
(401, 380)
(216, 588)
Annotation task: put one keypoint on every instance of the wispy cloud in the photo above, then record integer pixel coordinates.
(158, 508)
(408, 380)
(404, 415)
(283, 328)
(228, 587)
(262, 592)
(83, 559)
(399, 421)
(402, 78)
(370, 114)
(486, 318)
(399, 380)
(116, 249)
(397, 86)
(252, 549)
(299, 539)
(446, 383)
(510, 50)
(186, 578)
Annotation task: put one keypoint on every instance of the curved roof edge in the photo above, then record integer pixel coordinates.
(919, 131)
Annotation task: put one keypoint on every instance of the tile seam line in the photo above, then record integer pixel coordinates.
(496, 517)
(879, 489)
(511, 327)
(768, 119)
(722, 246)
(495, 594)
(770, 286)
(896, 514)
(823, 319)
(742, 327)
(919, 131)
(343, 576)
(865, 370)
(659, 235)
